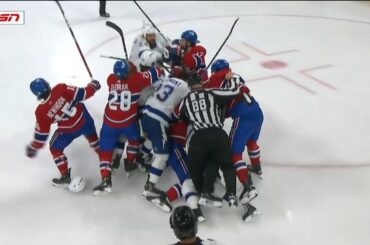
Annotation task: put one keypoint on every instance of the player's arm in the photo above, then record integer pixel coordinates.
(179, 113)
(224, 95)
(81, 94)
(41, 134)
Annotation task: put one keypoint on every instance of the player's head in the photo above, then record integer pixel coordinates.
(219, 65)
(121, 69)
(188, 39)
(147, 59)
(184, 223)
(149, 34)
(41, 88)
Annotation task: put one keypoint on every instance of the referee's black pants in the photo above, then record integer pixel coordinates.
(209, 149)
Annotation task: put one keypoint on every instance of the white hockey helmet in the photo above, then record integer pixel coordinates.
(148, 58)
(148, 29)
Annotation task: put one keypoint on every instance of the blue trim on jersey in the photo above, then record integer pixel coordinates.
(80, 94)
(154, 74)
(106, 165)
(158, 113)
(134, 98)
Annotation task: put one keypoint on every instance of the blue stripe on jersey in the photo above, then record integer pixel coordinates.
(134, 98)
(80, 94)
(158, 113)
(154, 74)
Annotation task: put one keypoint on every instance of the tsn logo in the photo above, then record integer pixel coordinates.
(11, 17)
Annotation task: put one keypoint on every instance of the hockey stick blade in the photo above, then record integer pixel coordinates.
(119, 30)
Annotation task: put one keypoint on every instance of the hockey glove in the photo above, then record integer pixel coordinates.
(95, 84)
(30, 151)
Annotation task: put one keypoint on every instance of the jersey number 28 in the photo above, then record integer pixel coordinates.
(124, 100)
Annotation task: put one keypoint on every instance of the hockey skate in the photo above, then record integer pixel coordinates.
(104, 187)
(199, 215)
(230, 198)
(250, 213)
(116, 161)
(63, 181)
(161, 202)
(249, 192)
(209, 200)
(256, 169)
(130, 166)
(144, 162)
(150, 190)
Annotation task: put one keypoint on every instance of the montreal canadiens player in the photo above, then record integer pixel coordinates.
(155, 121)
(148, 40)
(247, 122)
(120, 118)
(63, 105)
(188, 56)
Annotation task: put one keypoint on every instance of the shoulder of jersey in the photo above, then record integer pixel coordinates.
(199, 48)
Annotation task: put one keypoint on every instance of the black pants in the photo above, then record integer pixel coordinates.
(209, 150)
(102, 6)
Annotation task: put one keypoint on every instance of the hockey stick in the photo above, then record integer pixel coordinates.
(119, 30)
(111, 57)
(74, 38)
(222, 45)
(150, 20)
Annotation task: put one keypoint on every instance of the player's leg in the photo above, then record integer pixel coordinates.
(58, 143)
(89, 131)
(118, 152)
(132, 133)
(157, 134)
(239, 135)
(108, 140)
(252, 146)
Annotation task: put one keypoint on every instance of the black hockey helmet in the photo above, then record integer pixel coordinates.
(183, 222)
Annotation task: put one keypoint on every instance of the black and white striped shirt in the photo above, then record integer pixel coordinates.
(204, 107)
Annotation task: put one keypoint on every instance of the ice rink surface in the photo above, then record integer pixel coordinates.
(308, 65)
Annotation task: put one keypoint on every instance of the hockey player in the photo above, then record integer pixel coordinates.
(155, 121)
(192, 56)
(247, 122)
(184, 224)
(178, 160)
(148, 40)
(120, 118)
(63, 105)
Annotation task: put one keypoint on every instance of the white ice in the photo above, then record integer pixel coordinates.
(315, 140)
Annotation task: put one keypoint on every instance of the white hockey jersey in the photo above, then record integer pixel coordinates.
(140, 45)
(167, 96)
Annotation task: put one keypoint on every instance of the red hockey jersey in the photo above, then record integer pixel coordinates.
(64, 107)
(122, 107)
(195, 61)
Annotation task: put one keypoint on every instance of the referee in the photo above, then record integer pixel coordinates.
(209, 147)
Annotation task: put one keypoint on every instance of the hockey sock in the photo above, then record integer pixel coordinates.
(190, 194)
(60, 161)
(253, 152)
(132, 150)
(174, 192)
(240, 168)
(146, 147)
(94, 142)
(156, 169)
(105, 163)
